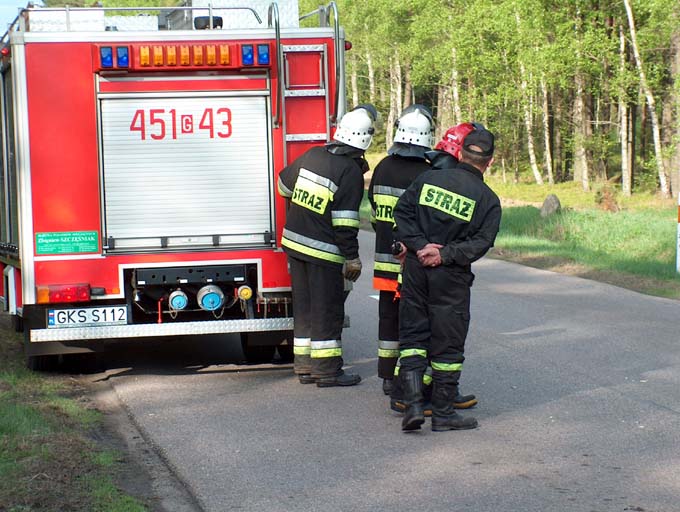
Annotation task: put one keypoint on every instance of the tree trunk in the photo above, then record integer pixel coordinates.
(408, 88)
(626, 177)
(674, 101)
(528, 124)
(663, 178)
(581, 170)
(371, 78)
(397, 85)
(395, 101)
(558, 165)
(455, 88)
(546, 133)
(353, 80)
(439, 113)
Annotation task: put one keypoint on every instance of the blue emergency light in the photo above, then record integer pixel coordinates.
(106, 56)
(247, 55)
(263, 54)
(122, 56)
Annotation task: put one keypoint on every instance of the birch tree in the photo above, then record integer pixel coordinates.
(651, 103)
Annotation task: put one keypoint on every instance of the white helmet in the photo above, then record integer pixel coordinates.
(356, 127)
(415, 127)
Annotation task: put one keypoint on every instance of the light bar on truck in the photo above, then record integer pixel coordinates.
(210, 55)
(224, 54)
(247, 55)
(158, 55)
(198, 55)
(184, 58)
(122, 56)
(263, 54)
(171, 56)
(153, 56)
(63, 293)
(106, 56)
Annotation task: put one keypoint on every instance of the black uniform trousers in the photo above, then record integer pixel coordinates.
(434, 317)
(319, 313)
(388, 333)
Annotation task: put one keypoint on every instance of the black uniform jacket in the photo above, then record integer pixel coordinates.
(325, 191)
(391, 178)
(451, 207)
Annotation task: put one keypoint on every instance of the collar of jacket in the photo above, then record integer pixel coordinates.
(339, 148)
(441, 159)
(471, 169)
(408, 151)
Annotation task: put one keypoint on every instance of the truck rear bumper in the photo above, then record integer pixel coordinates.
(166, 329)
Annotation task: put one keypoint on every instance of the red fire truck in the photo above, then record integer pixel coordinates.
(140, 156)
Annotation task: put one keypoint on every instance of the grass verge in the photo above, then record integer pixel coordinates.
(48, 460)
(631, 249)
(598, 235)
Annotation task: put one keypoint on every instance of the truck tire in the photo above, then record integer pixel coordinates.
(42, 363)
(285, 353)
(255, 352)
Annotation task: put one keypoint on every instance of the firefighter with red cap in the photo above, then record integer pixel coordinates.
(404, 161)
(447, 219)
(325, 187)
(445, 155)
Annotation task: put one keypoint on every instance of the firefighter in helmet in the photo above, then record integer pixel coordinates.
(445, 155)
(393, 175)
(325, 187)
(447, 219)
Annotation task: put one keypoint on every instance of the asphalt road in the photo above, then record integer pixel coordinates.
(579, 389)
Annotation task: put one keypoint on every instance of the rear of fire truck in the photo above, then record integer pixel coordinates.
(140, 155)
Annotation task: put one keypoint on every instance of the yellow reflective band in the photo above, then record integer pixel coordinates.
(414, 352)
(316, 253)
(352, 223)
(383, 352)
(387, 267)
(447, 367)
(311, 195)
(427, 379)
(448, 202)
(283, 190)
(399, 278)
(384, 207)
(302, 351)
(326, 352)
(396, 371)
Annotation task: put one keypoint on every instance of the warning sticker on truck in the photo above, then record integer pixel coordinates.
(66, 242)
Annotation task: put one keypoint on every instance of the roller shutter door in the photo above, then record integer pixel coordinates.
(186, 171)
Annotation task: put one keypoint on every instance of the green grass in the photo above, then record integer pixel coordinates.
(572, 195)
(641, 243)
(47, 459)
(599, 234)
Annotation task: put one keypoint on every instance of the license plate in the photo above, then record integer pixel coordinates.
(86, 317)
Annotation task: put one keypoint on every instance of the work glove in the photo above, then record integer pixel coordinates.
(352, 269)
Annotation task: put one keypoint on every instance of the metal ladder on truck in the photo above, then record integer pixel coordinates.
(308, 104)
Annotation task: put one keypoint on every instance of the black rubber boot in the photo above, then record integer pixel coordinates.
(444, 415)
(399, 406)
(388, 385)
(459, 402)
(306, 378)
(464, 401)
(412, 388)
(342, 379)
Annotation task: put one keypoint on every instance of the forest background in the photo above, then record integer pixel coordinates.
(584, 99)
(583, 91)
